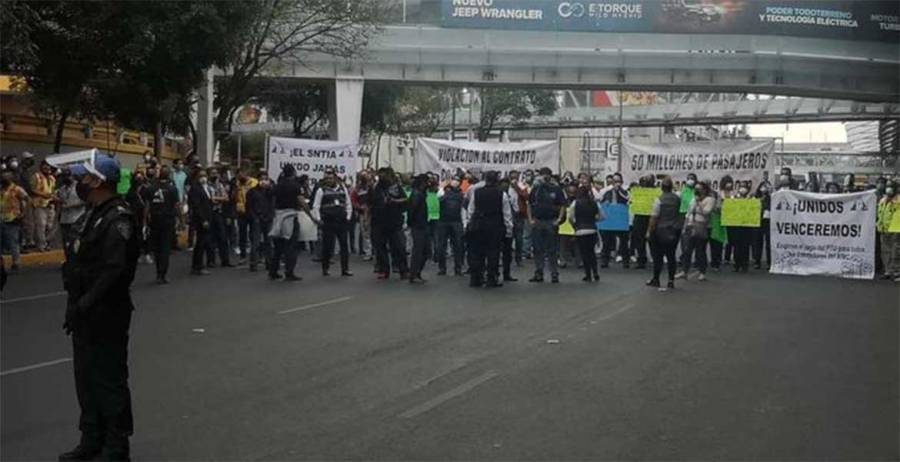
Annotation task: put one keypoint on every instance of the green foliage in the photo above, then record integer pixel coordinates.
(137, 61)
(303, 103)
(283, 32)
(517, 105)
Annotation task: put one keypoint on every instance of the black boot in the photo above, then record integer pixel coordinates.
(115, 449)
(88, 448)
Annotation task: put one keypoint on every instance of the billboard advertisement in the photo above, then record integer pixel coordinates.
(871, 20)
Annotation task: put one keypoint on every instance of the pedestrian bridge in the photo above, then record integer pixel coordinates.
(791, 66)
(817, 69)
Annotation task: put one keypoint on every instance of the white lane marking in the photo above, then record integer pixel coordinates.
(35, 366)
(447, 396)
(316, 305)
(617, 312)
(33, 297)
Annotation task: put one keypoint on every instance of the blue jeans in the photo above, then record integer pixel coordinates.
(9, 239)
(546, 245)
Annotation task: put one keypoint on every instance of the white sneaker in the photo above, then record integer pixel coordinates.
(633, 259)
(701, 277)
(679, 275)
(619, 259)
(149, 259)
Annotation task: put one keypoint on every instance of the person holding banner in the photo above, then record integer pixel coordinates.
(696, 232)
(615, 195)
(889, 227)
(332, 210)
(663, 232)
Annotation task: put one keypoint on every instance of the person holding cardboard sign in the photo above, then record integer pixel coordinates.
(741, 236)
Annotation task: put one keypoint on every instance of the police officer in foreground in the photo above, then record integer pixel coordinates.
(98, 313)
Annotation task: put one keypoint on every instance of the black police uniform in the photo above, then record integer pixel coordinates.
(417, 221)
(486, 230)
(98, 316)
(163, 205)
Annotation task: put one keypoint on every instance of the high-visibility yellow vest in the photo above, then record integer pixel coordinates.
(44, 185)
(242, 194)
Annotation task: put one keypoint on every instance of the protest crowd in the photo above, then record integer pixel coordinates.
(480, 224)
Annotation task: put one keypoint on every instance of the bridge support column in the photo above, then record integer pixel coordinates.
(206, 140)
(345, 97)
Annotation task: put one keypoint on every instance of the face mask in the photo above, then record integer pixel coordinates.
(454, 184)
(785, 179)
(743, 191)
(889, 191)
(691, 183)
(763, 190)
(82, 190)
(203, 181)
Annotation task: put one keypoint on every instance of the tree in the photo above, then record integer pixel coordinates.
(164, 48)
(285, 30)
(58, 50)
(380, 108)
(304, 104)
(517, 105)
(424, 109)
(136, 61)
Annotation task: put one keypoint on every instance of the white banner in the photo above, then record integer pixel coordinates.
(827, 234)
(311, 157)
(710, 160)
(444, 157)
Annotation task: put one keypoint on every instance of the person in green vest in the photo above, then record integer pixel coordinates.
(433, 204)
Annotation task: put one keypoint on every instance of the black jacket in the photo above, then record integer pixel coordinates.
(99, 275)
(418, 210)
(387, 214)
(261, 204)
(201, 205)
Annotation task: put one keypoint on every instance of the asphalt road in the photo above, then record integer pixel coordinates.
(740, 367)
